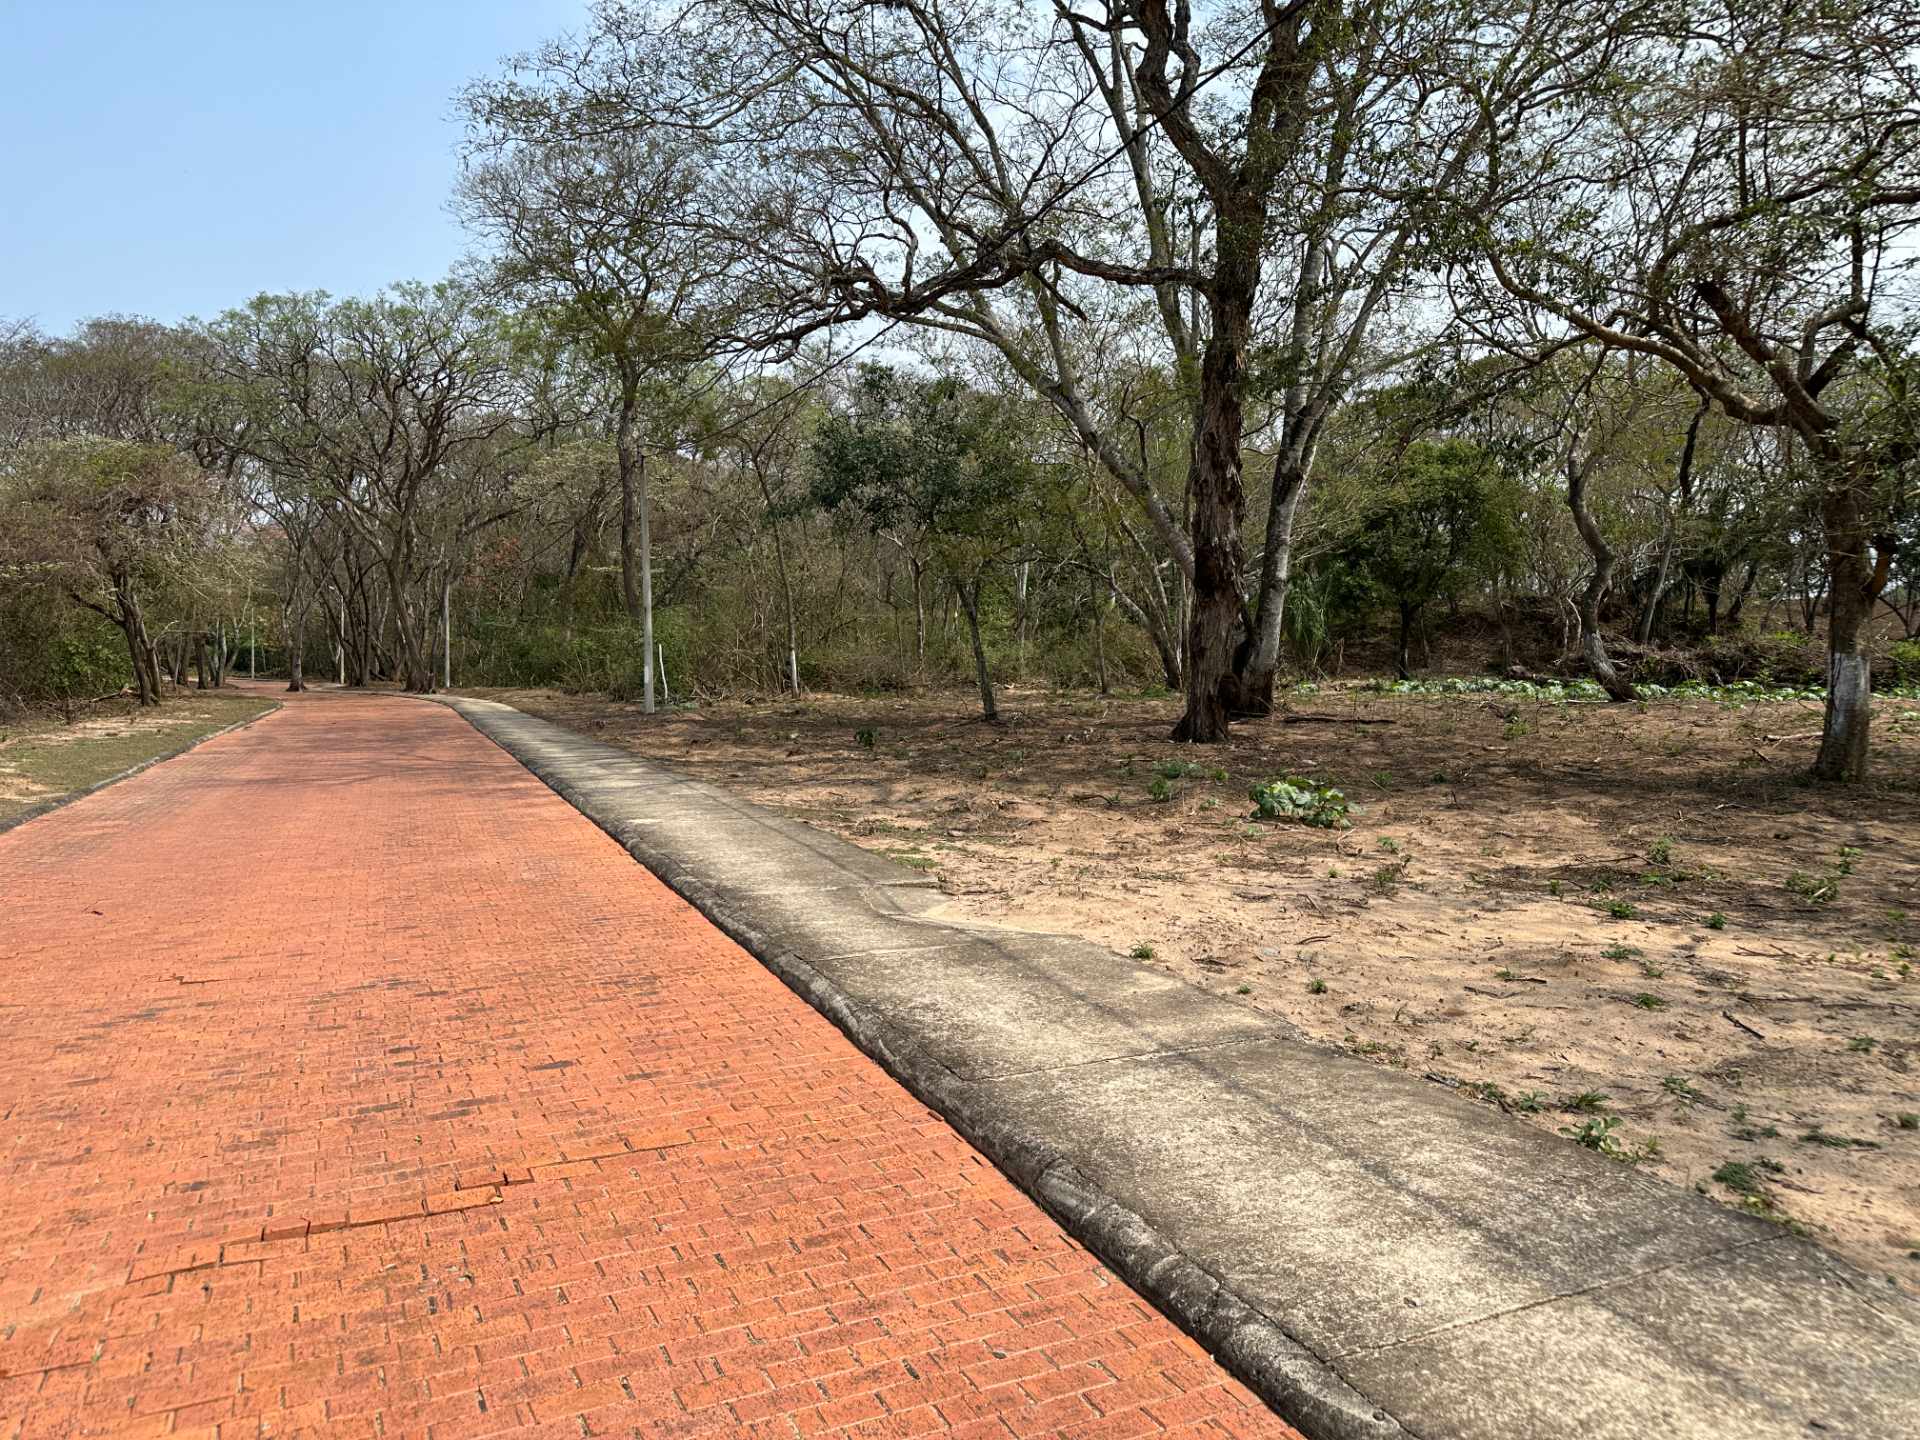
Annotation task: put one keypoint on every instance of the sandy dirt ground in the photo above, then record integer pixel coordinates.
(1634, 926)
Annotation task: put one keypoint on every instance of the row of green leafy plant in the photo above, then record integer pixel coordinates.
(1731, 692)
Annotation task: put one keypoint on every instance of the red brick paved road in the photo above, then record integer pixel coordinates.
(354, 1083)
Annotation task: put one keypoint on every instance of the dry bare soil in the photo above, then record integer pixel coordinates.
(1632, 925)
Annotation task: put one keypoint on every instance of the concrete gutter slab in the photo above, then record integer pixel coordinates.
(1374, 1255)
(987, 1005)
(1445, 1211)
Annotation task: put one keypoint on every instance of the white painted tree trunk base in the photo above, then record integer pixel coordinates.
(1843, 743)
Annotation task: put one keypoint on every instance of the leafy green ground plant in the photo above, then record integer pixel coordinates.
(1732, 692)
(1301, 801)
(1597, 1134)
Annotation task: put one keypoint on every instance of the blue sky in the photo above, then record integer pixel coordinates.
(172, 159)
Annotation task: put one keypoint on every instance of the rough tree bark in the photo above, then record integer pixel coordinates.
(1241, 190)
(410, 623)
(1216, 488)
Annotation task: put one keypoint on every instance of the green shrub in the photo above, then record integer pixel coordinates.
(1903, 663)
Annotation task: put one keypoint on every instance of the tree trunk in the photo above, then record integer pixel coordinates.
(1592, 646)
(646, 585)
(140, 652)
(1022, 575)
(1099, 636)
(1810, 599)
(1843, 736)
(1401, 665)
(1215, 486)
(919, 609)
(202, 670)
(1852, 587)
(970, 602)
(364, 657)
(143, 686)
(140, 646)
(1710, 584)
(1739, 605)
(624, 450)
(1253, 686)
(786, 583)
(296, 617)
(150, 659)
(410, 633)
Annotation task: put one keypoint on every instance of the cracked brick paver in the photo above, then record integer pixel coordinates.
(351, 1082)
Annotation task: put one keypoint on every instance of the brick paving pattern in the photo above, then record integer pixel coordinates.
(353, 1083)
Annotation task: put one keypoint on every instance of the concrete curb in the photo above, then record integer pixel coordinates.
(47, 807)
(1277, 1200)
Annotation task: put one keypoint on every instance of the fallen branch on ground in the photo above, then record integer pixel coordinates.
(1739, 1024)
